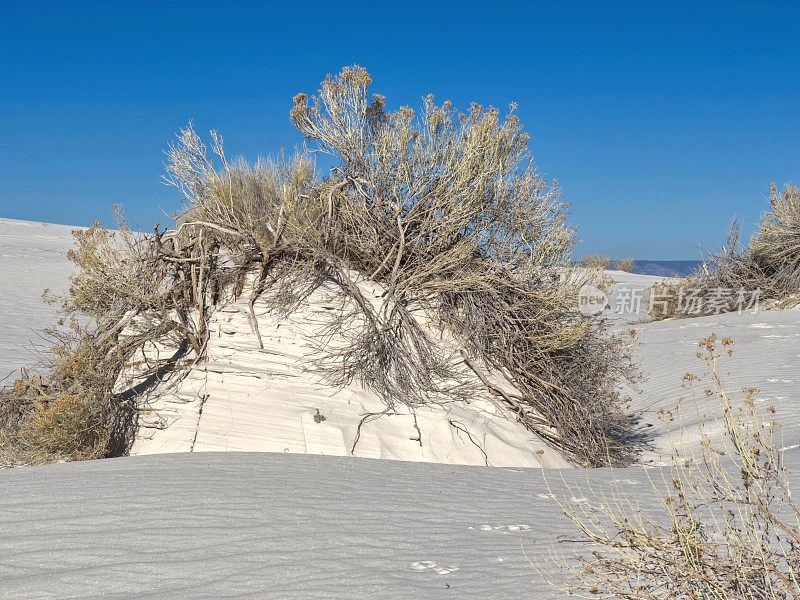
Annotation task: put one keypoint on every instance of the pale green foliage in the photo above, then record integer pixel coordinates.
(458, 185)
(259, 200)
(113, 275)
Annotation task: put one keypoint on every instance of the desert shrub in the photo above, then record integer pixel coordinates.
(442, 212)
(64, 426)
(625, 264)
(665, 299)
(728, 527)
(597, 261)
(447, 212)
(69, 415)
(776, 245)
(741, 276)
(124, 298)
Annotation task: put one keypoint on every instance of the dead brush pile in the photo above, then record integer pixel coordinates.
(442, 211)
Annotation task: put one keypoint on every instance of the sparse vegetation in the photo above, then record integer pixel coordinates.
(728, 528)
(625, 264)
(769, 267)
(69, 414)
(84, 405)
(442, 211)
(600, 262)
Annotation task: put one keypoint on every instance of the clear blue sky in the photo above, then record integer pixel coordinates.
(662, 121)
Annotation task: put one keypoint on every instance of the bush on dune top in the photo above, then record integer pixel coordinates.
(442, 211)
(625, 264)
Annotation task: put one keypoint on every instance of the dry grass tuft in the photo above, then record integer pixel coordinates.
(68, 415)
(728, 528)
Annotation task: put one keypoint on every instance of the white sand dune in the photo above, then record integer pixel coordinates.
(282, 525)
(33, 257)
(272, 526)
(243, 398)
(766, 355)
(267, 400)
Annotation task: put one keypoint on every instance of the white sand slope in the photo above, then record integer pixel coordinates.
(629, 297)
(766, 355)
(33, 256)
(284, 527)
(246, 399)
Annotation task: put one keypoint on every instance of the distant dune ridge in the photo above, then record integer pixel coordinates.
(666, 268)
